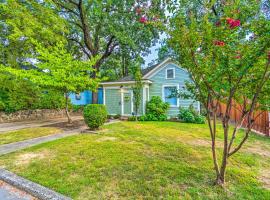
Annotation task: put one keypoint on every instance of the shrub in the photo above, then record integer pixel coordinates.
(156, 110)
(190, 115)
(132, 118)
(2, 106)
(95, 115)
(77, 108)
(117, 116)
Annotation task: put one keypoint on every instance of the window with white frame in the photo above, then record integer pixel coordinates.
(168, 92)
(170, 73)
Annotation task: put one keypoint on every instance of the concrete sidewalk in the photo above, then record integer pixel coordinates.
(8, 148)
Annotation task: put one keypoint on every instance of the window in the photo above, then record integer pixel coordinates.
(170, 73)
(167, 92)
(78, 96)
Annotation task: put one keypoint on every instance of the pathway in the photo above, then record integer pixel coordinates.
(8, 148)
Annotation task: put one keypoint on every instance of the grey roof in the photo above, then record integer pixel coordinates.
(131, 78)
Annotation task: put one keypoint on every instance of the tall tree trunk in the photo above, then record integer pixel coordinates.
(66, 109)
(95, 93)
(94, 97)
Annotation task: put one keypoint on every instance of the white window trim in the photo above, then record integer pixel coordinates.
(163, 94)
(173, 73)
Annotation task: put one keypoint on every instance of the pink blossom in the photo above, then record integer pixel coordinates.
(143, 19)
(219, 43)
(233, 23)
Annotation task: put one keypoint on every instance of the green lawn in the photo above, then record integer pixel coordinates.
(145, 160)
(25, 134)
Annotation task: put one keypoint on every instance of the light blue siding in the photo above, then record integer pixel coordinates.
(86, 97)
(159, 82)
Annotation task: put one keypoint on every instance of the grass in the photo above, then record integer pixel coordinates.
(144, 160)
(25, 134)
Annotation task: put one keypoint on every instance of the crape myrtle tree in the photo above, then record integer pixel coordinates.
(138, 85)
(225, 46)
(101, 27)
(57, 69)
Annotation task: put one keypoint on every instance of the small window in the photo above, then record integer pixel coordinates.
(170, 73)
(168, 91)
(78, 96)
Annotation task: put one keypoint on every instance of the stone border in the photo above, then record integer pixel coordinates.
(30, 187)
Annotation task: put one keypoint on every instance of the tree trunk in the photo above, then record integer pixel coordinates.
(66, 109)
(94, 97)
(95, 93)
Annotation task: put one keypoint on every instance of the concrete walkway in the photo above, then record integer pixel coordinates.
(8, 148)
(11, 126)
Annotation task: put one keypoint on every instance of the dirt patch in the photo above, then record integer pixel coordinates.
(265, 178)
(103, 139)
(26, 158)
(65, 126)
(257, 149)
(202, 143)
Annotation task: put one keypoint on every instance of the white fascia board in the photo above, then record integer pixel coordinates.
(124, 82)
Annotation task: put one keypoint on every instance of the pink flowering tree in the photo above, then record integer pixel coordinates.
(226, 48)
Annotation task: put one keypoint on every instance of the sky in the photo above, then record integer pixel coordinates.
(153, 55)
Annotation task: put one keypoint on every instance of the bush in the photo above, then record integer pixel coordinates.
(156, 110)
(190, 115)
(117, 116)
(2, 106)
(95, 115)
(77, 108)
(132, 118)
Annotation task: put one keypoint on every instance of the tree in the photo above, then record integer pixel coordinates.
(21, 22)
(57, 69)
(226, 48)
(137, 88)
(101, 27)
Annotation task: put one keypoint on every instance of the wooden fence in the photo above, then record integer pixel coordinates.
(261, 125)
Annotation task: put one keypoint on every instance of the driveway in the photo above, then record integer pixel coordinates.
(6, 127)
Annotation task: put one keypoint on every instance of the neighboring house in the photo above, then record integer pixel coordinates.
(158, 80)
(85, 97)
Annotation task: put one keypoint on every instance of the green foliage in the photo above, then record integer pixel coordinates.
(2, 106)
(132, 118)
(137, 88)
(49, 99)
(58, 70)
(77, 108)
(22, 21)
(190, 115)
(95, 115)
(117, 116)
(156, 110)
